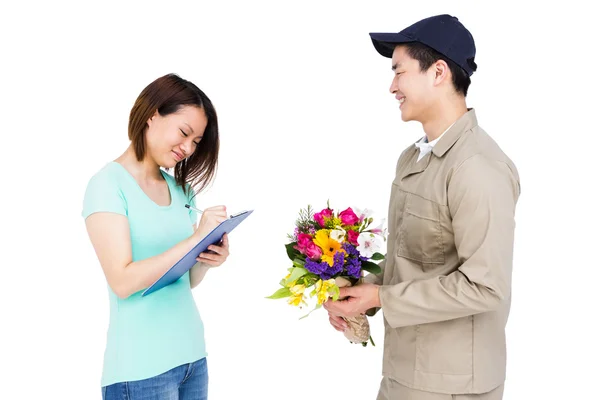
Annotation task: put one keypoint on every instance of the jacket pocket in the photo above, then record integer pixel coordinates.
(420, 233)
(445, 347)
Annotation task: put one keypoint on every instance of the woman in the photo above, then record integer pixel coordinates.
(138, 223)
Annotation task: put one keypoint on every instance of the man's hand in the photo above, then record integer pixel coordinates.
(338, 323)
(356, 301)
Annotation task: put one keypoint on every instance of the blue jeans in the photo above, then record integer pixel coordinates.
(186, 382)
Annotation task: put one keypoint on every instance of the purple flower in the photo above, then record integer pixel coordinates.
(350, 249)
(315, 267)
(323, 269)
(336, 268)
(354, 260)
(354, 267)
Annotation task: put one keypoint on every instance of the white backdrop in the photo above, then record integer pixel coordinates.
(305, 116)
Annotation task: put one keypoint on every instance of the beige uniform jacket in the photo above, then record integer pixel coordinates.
(446, 280)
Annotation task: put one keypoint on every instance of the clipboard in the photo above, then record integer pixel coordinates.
(189, 260)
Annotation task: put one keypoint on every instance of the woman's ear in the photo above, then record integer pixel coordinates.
(152, 118)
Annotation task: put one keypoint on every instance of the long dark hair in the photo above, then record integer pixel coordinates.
(168, 94)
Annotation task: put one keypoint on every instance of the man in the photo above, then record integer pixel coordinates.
(446, 282)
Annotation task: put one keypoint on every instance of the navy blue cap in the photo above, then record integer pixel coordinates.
(443, 33)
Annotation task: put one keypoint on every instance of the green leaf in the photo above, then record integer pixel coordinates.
(296, 273)
(291, 251)
(310, 279)
(371, 267)
(281, 293)
(377, 256)
(299, 263)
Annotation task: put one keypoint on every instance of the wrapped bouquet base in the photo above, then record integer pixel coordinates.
(358, 327)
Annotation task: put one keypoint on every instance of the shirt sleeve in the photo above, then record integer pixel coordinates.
(482, 196)
(103, 195)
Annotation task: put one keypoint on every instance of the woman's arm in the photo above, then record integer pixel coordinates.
(110, 237)
(207, 261)
(197, 273)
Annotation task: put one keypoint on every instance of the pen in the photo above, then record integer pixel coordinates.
(200, 211)
(194, 208)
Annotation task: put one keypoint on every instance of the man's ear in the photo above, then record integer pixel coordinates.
(442, 71)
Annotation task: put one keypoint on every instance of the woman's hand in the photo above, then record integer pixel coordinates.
(216, 255)
(211, 218)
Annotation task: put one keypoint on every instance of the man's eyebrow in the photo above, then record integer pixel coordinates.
(395, 66)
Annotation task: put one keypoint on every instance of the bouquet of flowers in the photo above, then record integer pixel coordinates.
(330, 250)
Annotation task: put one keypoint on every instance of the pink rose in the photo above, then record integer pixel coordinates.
(348, 217)
(303, 241)
(320, 216)
(353, 237)
(313, 251)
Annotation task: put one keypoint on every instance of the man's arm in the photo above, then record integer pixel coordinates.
(376, 279)
(482, 196)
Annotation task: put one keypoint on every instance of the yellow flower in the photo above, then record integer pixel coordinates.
(290, 284)
(328, 245)
(297, 296)
(322, 289)
(297, 289)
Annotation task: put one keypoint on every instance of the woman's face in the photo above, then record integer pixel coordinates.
(174, 137)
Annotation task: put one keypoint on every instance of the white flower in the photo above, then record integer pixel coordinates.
(362, 213)
(368, 244)
(338, 234)
(380, 230)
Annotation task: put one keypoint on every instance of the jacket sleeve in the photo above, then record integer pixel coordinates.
(482, 196)
(377, 279)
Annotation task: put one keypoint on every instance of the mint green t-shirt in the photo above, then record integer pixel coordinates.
(153, 334)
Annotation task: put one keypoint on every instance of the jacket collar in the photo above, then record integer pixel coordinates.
(465, 123)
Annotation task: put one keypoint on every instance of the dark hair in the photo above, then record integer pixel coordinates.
(168, 94)
(426, 56)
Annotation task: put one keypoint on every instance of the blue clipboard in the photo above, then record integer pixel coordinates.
(189, 260)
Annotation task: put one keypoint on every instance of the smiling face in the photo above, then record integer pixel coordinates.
(174, 137)
(413, 88)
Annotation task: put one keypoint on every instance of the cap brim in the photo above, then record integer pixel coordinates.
(385, 43)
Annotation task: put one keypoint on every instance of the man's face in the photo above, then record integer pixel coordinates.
(411, 87)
